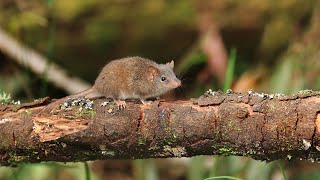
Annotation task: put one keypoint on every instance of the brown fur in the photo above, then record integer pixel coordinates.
(132, 78)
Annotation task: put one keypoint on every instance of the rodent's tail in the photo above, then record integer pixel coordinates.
(89, 93)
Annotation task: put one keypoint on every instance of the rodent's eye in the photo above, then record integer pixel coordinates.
(163, 78)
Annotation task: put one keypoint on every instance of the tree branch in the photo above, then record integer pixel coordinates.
(264, 127)
(40, 65)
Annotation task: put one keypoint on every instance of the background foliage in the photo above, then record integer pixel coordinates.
(276, 49)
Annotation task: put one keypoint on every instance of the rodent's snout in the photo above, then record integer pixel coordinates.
(177, 83)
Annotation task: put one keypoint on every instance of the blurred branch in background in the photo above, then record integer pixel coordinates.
(39, 64)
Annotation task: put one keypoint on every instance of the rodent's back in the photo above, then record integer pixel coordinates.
(120, 78)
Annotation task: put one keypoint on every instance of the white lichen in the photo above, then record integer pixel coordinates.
(306, 91)
(311, 160)
(229, 91)
(63, 144)
(4, 120)
(210, 93)
(279, 95)
(104, 103)
(108, 153)
(80, 102)
(271, 96)
(306, 144)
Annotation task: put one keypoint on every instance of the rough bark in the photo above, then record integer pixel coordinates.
(264, 127)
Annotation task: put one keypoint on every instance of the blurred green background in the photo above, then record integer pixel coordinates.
(274, 45)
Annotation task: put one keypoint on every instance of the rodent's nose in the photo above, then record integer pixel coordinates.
(178, 83)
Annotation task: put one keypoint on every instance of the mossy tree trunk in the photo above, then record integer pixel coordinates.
(264, 127)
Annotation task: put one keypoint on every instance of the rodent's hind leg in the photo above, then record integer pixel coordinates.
(121, 104)
(145, 102)
(95, 97)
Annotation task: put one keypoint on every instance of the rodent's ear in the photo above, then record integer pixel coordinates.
(152, 72)
(170, 64)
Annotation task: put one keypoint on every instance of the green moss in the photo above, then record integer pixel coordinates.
(15, 107)
(83, 155)
(171, 137)
(29, 112)
(86, 113)
(153, 148)
(251, 152)
(5, 98)
(141, 140)
(15, 159)
(142, 136)
(177, 151)
(26, 114)
(163, 123)
(226, 151)
(231, 126)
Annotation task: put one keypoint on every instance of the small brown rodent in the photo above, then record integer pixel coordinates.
(132, 78)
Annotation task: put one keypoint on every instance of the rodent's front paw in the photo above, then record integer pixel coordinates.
(121, 104)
